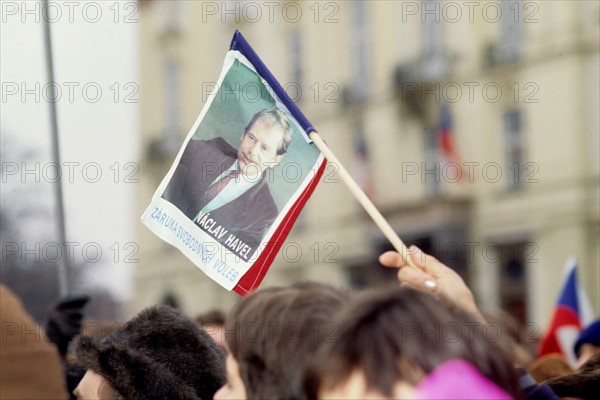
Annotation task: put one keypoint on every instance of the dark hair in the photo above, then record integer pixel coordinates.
(585, 383)
(397, 334)
(274, 116)
(275, 332)
(212, 317)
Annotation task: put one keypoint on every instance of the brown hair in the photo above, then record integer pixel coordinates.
(396, 334)
(585, 383)
(274, 333)
(549, 366)
(212, 317)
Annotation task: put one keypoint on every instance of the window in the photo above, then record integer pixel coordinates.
(172, 81)
(360, 50)
(515, 149)
(513, 283)
(434, 63)
(432, 163)
(511, 35)
(361, 163)
(364, 275)
(170, 16)
(294, 88)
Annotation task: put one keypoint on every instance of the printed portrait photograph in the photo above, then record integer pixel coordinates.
(246, 161)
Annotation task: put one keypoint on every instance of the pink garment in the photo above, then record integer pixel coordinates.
(458, 379)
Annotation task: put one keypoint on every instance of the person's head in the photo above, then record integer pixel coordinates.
(588, 343)
(273, 334)
(582, 384)
(95, 386)
(390, 339)
(160, 353)
(549, 366)
(512, 341)
(264, 141)
(213, 323)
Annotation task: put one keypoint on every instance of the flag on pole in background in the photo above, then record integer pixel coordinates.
(445, 141)
(245, 171)
(573, 312)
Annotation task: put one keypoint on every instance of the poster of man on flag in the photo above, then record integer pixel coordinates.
(240, 179)
(233, 226)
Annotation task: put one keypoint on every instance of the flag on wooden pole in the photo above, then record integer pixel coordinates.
(573, 312)
(245, 171)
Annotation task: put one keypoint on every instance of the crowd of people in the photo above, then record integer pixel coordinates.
(422, 339)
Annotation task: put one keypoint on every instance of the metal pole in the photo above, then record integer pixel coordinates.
(63, 266)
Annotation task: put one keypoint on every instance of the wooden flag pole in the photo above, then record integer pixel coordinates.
(363, 199)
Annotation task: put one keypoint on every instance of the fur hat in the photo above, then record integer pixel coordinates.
(159, 354)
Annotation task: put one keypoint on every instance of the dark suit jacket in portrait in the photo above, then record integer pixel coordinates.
(248, 216)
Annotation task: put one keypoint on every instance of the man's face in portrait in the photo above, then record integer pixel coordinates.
(258, 148)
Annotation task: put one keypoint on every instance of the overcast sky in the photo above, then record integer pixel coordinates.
(95, 61)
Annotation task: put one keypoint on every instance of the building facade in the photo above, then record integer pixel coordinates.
(474, 128)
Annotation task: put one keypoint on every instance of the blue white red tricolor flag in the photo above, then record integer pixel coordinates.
(573, 312)
(446, 142)
(445, 134)
(243, 174)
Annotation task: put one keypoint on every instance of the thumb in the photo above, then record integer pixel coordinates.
(391, 259)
